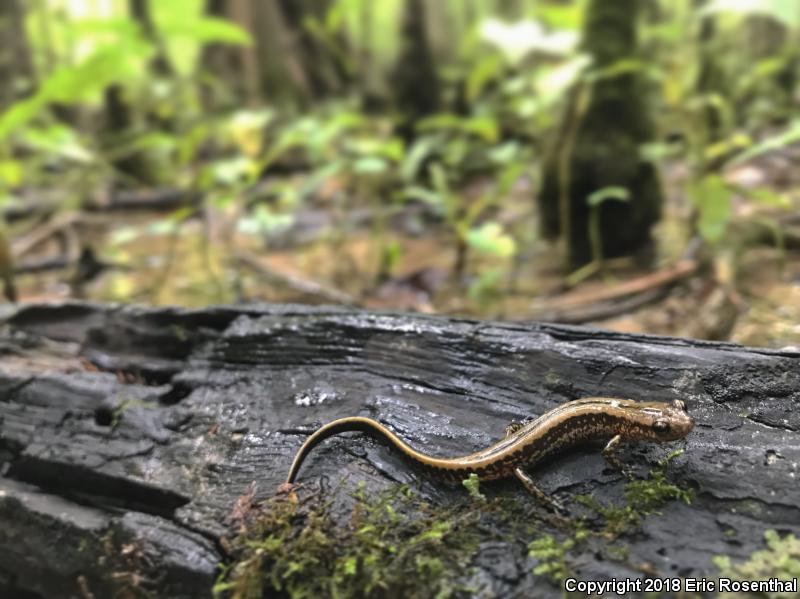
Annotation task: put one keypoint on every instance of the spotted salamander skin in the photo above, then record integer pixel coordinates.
(578, 421)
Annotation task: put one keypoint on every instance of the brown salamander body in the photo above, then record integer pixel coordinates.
(591, 418)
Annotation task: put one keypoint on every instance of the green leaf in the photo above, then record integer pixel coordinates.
(10, 173)
(552, 83)
(123, 235)
(712, 197)
(504, 153)
(204, 30)
(484, 127)
(657, 150)
(319, 177)
(439, 179)
(625, 66)
(370, 165)
(486, 288)
(230, 171)
(429, 196)
(351, 565)
(484, 71)
(489, 238)
(517, 40)
(20, 113)
(774, 142)
(783, 11)
(620, 194)
(391, 148)
(769, 197)
(422, 149)
(472, 484)
(265, 221)
(58, 141)
(561, 16)
(69, 84)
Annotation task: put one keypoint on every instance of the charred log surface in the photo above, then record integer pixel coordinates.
(127, 434)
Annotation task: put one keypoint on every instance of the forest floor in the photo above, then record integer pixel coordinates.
(328, 254)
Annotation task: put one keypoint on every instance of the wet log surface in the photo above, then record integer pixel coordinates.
(127, 434)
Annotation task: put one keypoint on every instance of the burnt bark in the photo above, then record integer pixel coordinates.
(127, 434)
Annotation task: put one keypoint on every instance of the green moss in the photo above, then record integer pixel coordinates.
(128, 404)
(392, 545)
(473, 485)
(646, 496)
(553, 555)
(617, 519)
(781, 560)
(396, 544)
(179, 332)
(552, 380)
(642, 498)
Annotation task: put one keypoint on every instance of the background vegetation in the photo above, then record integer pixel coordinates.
(499, 158)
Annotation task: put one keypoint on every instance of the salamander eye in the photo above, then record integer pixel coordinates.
(661, 426)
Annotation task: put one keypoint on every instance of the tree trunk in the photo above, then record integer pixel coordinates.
(414, 78)
(511, 10)
(16, 68)
(140, 11)
(130, 436)
(120, 122)
(230, 85)
(599, 147)
(326, 73)
(769, 39)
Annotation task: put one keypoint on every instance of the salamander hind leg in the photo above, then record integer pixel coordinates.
(540, 495)
(610, 454)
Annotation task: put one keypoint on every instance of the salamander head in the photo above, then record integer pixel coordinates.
(655, 421)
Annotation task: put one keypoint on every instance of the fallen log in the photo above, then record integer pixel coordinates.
(129, 436)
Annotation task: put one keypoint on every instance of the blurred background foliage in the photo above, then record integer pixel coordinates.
(632, 164)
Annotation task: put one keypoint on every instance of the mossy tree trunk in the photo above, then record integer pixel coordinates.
(711, 77)
(771, 47)
(125, 117)
(599, 146)
(16, 68)
(141, 12)
(326, 71)
(297, 66)
(414, 77)
(224, 85)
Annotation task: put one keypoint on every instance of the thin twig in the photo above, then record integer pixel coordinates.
(304, 286)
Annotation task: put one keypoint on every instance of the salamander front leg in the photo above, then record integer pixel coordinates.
(609, 453)
(515, 426)
(540, 495)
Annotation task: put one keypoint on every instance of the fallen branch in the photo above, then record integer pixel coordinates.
(300, 285)
(613, 301)
(155, 200)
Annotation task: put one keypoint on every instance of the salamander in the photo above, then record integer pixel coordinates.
(526, 443)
